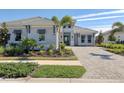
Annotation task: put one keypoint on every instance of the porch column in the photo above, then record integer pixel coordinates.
(72, 39)
(94, 39)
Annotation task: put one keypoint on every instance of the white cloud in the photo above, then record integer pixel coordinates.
(102, 28)
(99, 18)
(98, 14)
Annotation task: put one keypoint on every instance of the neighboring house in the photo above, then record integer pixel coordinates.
(119, 36)
(44, 31)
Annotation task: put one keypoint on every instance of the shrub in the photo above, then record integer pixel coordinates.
(42, 52)
(9, 51)
(51, 47)
(42, 46)
(50, 52)
(116, 51)
(113, 46)
(28, 44)
(2, 49)
(61, 53)
(68, 51)
(15, 70)
(13, 51)
(62, 45)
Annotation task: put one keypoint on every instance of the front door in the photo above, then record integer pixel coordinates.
(67, 39)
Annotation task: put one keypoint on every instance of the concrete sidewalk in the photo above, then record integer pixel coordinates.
(46, 62)
(59, 80)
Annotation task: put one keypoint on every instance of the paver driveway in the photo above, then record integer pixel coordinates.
(100, 64)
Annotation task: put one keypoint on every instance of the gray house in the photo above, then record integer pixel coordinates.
(44, 31)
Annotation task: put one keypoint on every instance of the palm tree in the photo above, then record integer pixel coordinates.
(66, 20)
(117, 25)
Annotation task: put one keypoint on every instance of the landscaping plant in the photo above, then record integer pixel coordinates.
(2, 50)
(15, 70)
(29, 44)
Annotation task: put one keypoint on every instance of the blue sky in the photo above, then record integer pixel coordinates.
(98, 19)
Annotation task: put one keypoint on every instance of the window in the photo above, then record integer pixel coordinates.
(64, 26)
(89, 38)
(41, 34)
(18, 37)
(8, 36)
(82, 38)
(54, 29)
(28, 28)
(41, 37)
(69, 26)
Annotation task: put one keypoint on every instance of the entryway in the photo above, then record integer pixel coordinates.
(67, 38)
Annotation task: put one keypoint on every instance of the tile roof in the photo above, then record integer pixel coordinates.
(31, 21)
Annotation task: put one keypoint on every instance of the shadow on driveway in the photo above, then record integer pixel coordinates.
(103, 56)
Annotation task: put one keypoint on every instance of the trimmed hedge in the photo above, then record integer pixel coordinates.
(15, 70)
(116, 51)
(112, 46)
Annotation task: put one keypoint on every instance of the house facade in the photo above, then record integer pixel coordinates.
(78, 36)
(118, 35)
(45, 33)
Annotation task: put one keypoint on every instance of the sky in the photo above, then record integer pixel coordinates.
(97, 19)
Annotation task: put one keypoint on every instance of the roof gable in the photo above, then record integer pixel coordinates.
(81, 29)
(31, 21)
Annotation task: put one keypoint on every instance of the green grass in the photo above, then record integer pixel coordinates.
(1, 49)
(59, 71)
(15, 70)
(39, 58)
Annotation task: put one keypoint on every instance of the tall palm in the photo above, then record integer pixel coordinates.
(117, 25)
(64, 21)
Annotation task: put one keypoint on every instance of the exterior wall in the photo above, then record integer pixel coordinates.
(86, 33)
(73, 31)
(12, 35)
(106, 38)
(86, 39)
(50, 37)
(118, 35)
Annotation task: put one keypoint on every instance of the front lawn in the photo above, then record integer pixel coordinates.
(58, 71)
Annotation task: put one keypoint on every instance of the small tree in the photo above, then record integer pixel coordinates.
(28, 44)
(3, 34)
(111, 37)
(100, 38)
